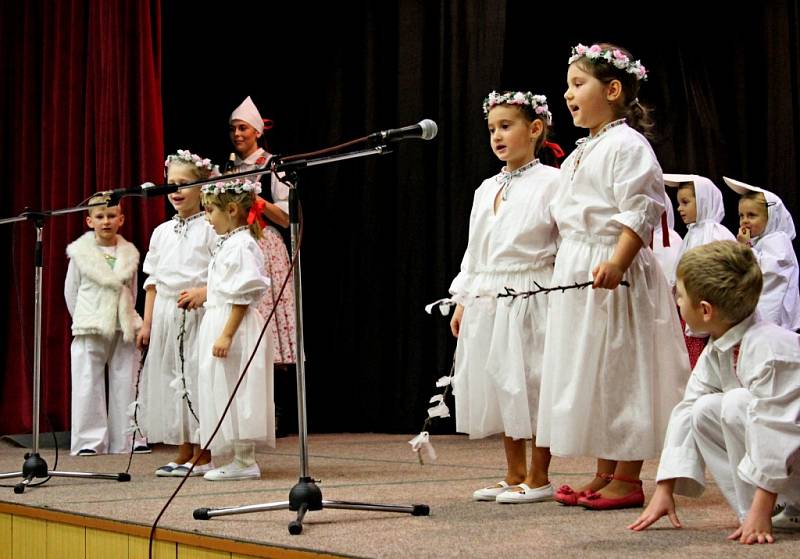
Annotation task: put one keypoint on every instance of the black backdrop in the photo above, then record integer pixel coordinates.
(384, 236)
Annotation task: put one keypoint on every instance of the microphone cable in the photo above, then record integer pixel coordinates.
(292, 261)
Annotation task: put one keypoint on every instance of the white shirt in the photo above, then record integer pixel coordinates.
(768, 366)
(179, 253)
(707, 226)
(521, 235)
(280, 192)
(235, 272)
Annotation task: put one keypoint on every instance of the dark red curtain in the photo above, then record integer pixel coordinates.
(80, 111)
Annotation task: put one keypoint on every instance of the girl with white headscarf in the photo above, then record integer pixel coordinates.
(767, 226)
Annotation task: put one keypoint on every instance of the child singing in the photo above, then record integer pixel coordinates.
(177, 268)
(100, 292)
(229, 333)
(614, 359)
(512, 243)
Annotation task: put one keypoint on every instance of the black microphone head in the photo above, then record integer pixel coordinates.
(429, 129)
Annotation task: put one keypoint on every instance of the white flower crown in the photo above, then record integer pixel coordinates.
(537, 102)
(615, 57)
(236, 185)
(187, 156)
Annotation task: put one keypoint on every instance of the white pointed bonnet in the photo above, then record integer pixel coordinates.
(778, 217)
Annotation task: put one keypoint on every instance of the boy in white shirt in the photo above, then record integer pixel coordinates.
(100, 294)
(739, 414)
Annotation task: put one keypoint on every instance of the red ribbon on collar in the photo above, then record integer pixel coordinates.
(257, 212)
(555, 148)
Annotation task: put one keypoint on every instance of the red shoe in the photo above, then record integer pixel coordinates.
(594, 501)
(567, 496)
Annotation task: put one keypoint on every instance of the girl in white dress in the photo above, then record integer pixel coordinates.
(512, 243)
(177, 268)
(614, 361)
(230, 331)
(767, 226)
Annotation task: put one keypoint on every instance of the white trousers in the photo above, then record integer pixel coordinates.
(96, 425)
(718, 422)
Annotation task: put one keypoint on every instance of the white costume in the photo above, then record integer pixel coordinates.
(740, 417)
(707, 226)
(780, 299)
(499, 350)
(178, 257)
(100, 293)
(667, 256)
(614, 362)
(235, 278)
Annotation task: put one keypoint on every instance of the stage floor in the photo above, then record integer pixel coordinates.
(382, 469)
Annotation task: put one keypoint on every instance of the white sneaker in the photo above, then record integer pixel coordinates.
(233, 471)
(199, 470)
(786, 522)
(490, 493)
(166, 469)
(527, 495)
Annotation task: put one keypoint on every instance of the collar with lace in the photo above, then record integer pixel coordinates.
(504, 177)
(222, 238)
(586, 140)
(182, 223)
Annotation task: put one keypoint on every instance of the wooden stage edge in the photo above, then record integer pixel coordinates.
(27, 531)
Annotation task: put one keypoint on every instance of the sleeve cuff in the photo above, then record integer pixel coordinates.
(637, 222)
(685, 465)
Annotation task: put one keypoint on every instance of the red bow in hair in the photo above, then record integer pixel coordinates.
(257, 212)
(267, 123)
(555, 148)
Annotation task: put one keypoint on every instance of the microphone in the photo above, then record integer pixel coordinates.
(145, 190)
(424, 130)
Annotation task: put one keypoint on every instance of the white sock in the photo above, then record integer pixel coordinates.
(244, 453)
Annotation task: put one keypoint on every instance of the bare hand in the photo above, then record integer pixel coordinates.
(607, 275)
(143, 337)
(743, 236)
(192, 298)
(455, 322)
(756, 528)
(662, 504)
(221, 346)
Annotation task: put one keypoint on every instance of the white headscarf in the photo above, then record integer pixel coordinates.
(248, 112)
(778, 217)
(710, 208)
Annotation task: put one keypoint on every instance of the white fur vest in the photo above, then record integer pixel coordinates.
(104, 297)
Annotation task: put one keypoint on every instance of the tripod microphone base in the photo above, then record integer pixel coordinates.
(306, 496)
(36, 467)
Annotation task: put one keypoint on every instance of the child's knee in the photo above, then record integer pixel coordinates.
(706, 410)
(734, 406)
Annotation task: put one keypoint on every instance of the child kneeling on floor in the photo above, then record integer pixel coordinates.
(739, 413)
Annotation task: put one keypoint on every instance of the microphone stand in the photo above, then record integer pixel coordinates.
(35, 466)
(306, 495)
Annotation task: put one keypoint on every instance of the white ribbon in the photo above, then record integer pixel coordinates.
(422, 442)
(443, 304)
(439, 410)
(443, 381)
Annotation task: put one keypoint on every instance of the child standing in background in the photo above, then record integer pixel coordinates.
(177, 269)
(701, 208)
(614, 363)
(100, 290)
(512, 243)
(767, 226)
(230, 331)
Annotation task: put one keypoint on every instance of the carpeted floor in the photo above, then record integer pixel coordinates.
(382, 469)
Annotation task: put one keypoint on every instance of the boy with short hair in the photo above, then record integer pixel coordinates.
(100, 291)
(739, 415)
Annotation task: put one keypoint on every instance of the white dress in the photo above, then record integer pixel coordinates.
(235, 278)
(276, 267)
(500, 344)
(780, 299)
(745, 392)
(178, 257)
(614, 362)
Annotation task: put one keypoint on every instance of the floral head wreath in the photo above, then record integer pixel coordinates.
(235, 186)
(186, 156)
(536, 102)
(615, 57)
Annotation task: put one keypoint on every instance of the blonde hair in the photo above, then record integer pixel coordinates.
(724, 274)
(244, 200)
(200, 173)
(99, 201)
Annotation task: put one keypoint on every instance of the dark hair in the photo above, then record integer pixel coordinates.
(629, 107)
